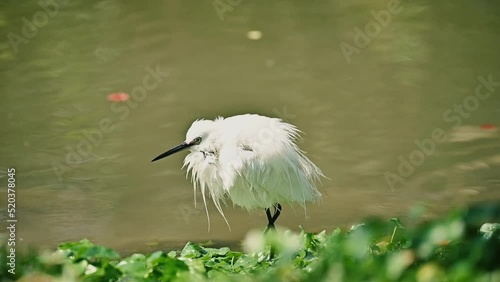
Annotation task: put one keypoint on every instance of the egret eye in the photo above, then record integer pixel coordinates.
(197, 140)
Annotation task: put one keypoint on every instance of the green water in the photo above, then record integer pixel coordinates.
(366, 81)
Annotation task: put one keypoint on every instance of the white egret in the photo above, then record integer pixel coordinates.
(253, 160)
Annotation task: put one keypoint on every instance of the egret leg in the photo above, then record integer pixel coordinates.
(277, 212)
(271, 218)
(270, 222)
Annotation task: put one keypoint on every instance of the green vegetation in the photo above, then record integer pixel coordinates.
(454, 248)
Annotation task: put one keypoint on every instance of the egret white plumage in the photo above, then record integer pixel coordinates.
(250, 159)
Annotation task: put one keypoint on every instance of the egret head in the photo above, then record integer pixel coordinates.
(199, 132)
(195, 136)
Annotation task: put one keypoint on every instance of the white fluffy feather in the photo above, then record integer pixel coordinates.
(252, 160)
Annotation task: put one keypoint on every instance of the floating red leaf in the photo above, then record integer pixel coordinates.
(488, 126)
(118, 97)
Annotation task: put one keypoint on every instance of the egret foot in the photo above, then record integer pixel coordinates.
(271, 218)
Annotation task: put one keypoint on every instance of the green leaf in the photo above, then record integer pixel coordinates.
(217, 252)
(488, 230)
(192, 251)
(134, 266)
(397, 222)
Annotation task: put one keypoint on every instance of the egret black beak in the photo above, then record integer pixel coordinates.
(174, 150)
